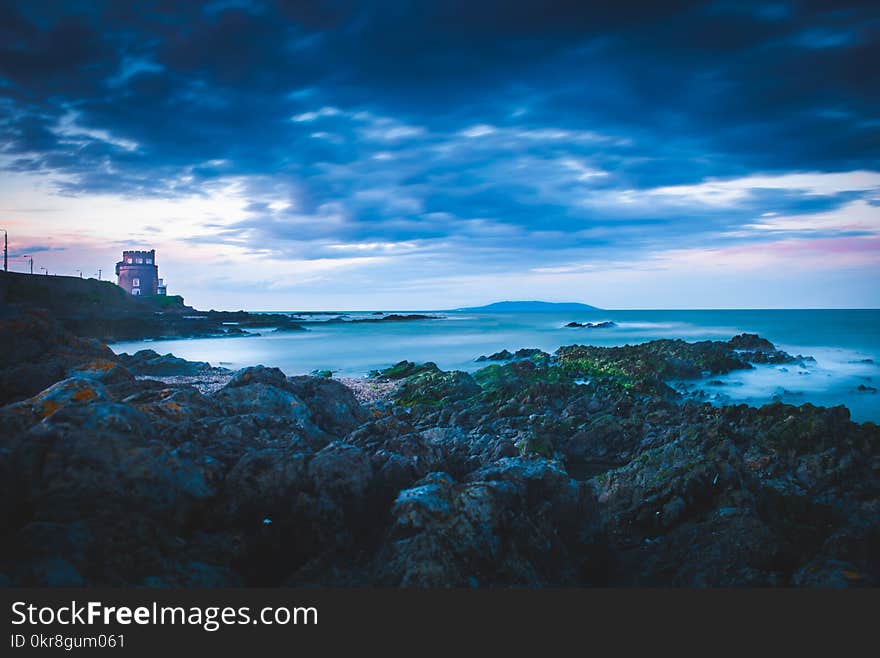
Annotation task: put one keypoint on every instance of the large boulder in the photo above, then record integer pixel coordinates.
(334, 407)
(264, 482)
(151, 363)
(257, 375)
(75, 391)
(173, 404)
(260, 398)
(341, 469)
(107, 371)
(104, 456)
(517, 521)
(38, 351)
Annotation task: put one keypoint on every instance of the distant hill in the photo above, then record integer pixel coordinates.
(530, 307)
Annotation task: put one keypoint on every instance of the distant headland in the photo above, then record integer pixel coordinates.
(530, 307)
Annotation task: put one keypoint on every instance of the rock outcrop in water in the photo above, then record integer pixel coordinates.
(607, 324)
(391, 317)
(582, 468)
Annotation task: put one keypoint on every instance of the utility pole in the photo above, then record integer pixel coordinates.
(5, 251)
(99, 274)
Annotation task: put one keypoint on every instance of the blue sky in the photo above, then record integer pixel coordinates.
(424, 155)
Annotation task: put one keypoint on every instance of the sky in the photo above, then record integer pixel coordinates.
(426, 155)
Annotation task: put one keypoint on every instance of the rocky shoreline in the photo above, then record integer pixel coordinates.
(103, 311)
(578, 468)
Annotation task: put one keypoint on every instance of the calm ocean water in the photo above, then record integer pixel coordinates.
(845, 344)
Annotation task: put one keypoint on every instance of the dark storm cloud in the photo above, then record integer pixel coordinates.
(456, 122)
(33, 249)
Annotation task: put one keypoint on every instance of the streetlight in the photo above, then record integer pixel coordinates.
(80, 272)
(30, 258)
(5, 251)
(45, 270)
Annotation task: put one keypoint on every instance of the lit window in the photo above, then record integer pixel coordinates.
(135, 291)
(128, 260)
(140, 261)
(136, 283)
(149, 261)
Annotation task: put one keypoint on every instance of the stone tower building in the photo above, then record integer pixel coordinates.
(137, 273)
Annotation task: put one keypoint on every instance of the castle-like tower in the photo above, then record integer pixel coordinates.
(137, 273)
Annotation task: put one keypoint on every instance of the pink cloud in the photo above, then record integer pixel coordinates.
(817, 253)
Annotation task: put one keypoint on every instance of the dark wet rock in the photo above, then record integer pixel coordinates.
(861, 388)
(341, 469)
(107, 371)
(844, 560)
(52, 572)
(765, 357)
(395, 317)
(754, 349)
(174, 404)
(750, 342)
(607, 324)
(532, 353)
(287, 325)
(230, 433)
(392, 317)
(334, 407)
(197, 575)
(74, 391)
(261, 398)
(38, 351)
(503, 355)
(315, 404)
(263, 482)
(38, 554)
(258, 375)
(447, 533)
(526, 353)
(149, 362)
(101, 460)
(713, 487)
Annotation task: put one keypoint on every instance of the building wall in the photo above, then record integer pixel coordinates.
(137, 272)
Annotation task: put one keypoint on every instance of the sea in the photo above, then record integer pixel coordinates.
(844, 343)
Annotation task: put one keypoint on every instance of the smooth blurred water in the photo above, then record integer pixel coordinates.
(840, 340)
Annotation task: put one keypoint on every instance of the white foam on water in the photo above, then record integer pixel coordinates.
(834, 378)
